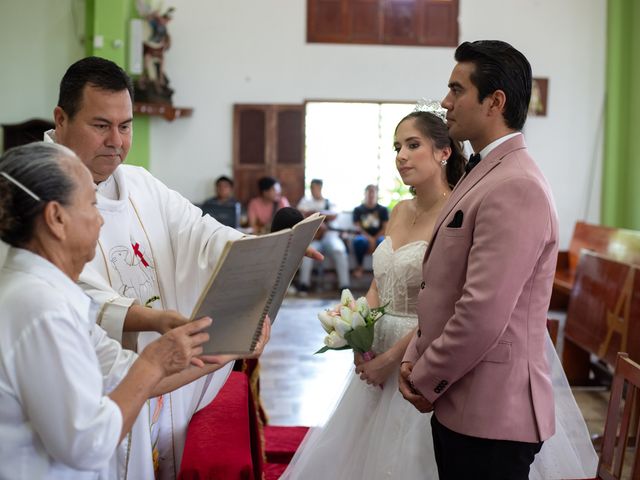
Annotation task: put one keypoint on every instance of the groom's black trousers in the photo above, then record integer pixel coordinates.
(461, 457)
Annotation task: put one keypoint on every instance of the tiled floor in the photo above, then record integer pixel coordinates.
(296, 386)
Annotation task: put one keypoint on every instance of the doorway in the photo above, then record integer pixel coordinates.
(349, 145)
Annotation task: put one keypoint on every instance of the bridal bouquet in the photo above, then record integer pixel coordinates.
(350, 325)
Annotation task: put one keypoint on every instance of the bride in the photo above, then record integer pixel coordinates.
(373, 432)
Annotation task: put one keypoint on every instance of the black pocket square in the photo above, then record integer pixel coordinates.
(457, 220)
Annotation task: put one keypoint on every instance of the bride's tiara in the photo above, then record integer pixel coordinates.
(433, 107)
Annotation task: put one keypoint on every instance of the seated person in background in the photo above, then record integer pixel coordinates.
(69, 394)
(370, 218)
(328, 242)
(223, 207)
(262, 208)
(224, 192)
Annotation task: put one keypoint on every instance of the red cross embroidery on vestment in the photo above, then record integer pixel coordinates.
(138, 253)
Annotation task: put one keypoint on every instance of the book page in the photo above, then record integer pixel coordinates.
(303, 236)
(250, 280)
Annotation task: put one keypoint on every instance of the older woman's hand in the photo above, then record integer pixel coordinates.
(176, 349)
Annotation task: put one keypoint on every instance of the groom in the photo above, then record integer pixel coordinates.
(478, 358)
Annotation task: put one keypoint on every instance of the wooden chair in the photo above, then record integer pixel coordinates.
(621, 423)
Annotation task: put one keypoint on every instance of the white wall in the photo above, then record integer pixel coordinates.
(39, 39)
(240, 51)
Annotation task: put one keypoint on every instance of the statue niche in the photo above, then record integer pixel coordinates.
(153, 85)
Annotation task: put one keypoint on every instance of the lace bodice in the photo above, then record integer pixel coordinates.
(398, 275)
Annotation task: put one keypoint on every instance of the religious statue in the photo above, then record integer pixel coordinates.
(153, 85)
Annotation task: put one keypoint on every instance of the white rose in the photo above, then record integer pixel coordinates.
(343, 325)
(346, 314)
(357, 321)
(362, 306)
(334, 340)
(327, 321)
(346, 298)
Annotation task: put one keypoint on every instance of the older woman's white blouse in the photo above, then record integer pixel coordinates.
(56, 368)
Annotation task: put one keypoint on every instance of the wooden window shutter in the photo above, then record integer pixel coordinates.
(268, 140)
(392, 22)
(400, 19)
(252, 123)
(364, 17)
(438, 21)
(326, 21)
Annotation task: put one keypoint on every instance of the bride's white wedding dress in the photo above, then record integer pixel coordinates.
(374, 433)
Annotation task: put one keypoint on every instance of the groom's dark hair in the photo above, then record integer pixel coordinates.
(499, 66)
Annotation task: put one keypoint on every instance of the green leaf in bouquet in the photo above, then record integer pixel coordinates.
(325, 348)
(376, 313)
(360, 339)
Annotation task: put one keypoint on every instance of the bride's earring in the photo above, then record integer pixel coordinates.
(443, 162)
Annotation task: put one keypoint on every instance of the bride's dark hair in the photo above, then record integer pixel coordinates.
(432, 127)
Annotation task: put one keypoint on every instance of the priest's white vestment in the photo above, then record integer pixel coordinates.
(156, 249)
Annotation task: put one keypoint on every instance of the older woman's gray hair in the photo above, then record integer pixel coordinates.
(31, 176)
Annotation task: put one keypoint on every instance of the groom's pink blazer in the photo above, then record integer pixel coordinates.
(479, 353)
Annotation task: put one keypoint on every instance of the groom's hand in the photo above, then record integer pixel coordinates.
(409, 393)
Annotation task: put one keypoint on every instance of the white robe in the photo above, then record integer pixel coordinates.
(4, 248)
(56, 369)
(182, 248)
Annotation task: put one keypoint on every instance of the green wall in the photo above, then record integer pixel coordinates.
(110, 19)
(621, 168)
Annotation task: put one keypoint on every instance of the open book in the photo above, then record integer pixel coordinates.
(249, 282)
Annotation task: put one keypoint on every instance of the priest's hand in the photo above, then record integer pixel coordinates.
(168, 320)
(409, 393)
(313, 254)
(144, 319)
(265, 335)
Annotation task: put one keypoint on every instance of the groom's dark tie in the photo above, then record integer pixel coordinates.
(474, 159)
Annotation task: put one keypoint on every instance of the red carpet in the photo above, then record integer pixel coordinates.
(272, 471)
(282, 442)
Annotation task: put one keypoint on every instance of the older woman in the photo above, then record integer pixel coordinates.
(68, 394)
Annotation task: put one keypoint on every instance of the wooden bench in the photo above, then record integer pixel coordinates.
(603, 317)
(617, 243)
